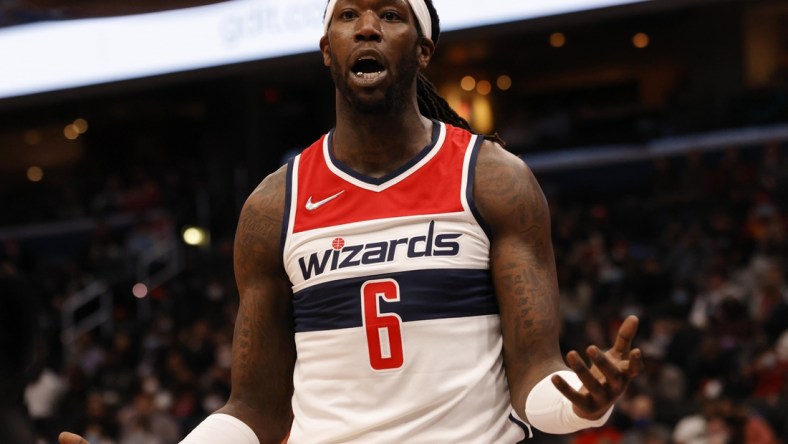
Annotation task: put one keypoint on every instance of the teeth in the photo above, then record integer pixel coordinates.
(367, 75)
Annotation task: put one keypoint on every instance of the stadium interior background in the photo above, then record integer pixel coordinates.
(658, 131)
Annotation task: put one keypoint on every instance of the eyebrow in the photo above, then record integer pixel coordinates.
(385, 2)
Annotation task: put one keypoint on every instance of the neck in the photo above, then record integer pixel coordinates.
(377, 144)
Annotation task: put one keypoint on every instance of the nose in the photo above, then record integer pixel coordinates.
(368, 27)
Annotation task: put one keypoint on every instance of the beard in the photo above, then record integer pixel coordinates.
(395, 97)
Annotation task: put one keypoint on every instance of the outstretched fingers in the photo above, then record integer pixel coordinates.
(570, 393)
(609, 375)
(576, 363)
(592, 395)
(612, 372)
(635, 364)
(626, 334)
(631, 363)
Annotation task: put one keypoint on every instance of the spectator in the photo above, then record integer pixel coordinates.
(691, 430)
(145, 423)
(17, 337)
(644, 429)
(769, 302)
(708, 305)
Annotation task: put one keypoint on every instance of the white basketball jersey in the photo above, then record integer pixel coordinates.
(398, 335)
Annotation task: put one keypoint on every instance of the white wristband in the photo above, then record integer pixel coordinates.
(223, 428)
(550, 411)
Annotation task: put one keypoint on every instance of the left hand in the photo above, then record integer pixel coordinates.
(608, 377)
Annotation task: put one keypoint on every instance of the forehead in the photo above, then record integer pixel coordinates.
(373, 3)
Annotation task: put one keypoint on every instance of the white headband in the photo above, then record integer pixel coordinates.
(418, 6)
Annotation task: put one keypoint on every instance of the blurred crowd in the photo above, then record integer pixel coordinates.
(700, 256)
(697, 249)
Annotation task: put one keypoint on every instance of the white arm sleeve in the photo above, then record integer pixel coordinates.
(223, 428)
(550, 411)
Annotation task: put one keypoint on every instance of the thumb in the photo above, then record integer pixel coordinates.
(71, 438)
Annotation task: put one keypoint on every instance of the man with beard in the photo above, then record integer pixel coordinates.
(397, 278)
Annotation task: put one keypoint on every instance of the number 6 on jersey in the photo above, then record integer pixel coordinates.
(384, 331)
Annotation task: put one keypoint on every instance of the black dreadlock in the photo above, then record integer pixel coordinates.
(431, 104)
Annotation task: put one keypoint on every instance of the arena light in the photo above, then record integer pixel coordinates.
(641, 40)
(484, 87)
(468, 83)
(35, 174)
(504, 82)
(139, 290)
(482, 114)
(41, 57)
(195, 236)
(70, 132)
(81, 125)
(557, 40)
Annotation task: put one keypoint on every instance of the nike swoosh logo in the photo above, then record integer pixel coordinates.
(312, 206)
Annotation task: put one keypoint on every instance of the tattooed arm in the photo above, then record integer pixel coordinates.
(263, 343)
(524, 276)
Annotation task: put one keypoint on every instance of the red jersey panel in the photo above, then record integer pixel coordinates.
(329, 193)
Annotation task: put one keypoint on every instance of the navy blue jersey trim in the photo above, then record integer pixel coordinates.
(471, 183)
(436, 128)
(424, 295)
(286, 216)
(526, 428)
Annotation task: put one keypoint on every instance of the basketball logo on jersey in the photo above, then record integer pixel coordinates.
(341, 256)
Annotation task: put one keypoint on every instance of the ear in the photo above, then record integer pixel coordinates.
(425, 48)
(325, 49)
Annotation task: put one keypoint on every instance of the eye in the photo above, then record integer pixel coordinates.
(347, 15)
(391, 16)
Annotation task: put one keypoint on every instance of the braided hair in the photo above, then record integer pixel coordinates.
(431, 104)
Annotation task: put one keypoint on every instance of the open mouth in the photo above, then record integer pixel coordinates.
(367, 68)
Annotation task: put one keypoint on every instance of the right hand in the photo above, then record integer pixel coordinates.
(71, 438)
(608, 377)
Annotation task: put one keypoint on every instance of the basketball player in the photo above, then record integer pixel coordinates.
(397, 278)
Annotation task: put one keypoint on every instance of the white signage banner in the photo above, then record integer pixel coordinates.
(49, 56)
